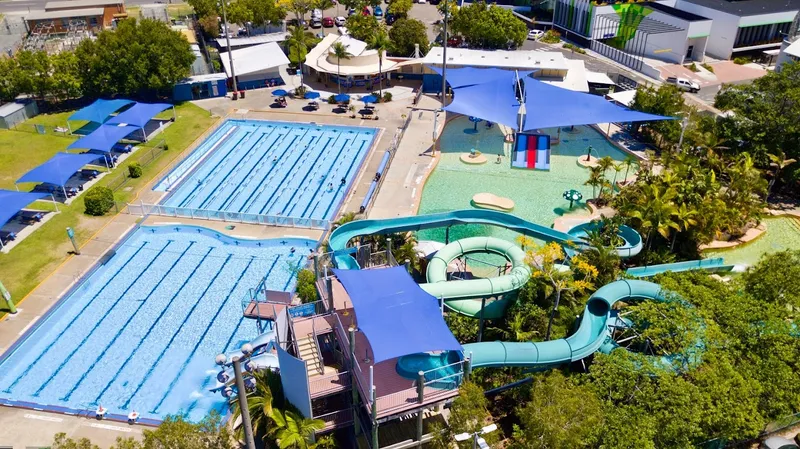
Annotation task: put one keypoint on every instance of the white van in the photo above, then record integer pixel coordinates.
(683, 84)
(316, 15)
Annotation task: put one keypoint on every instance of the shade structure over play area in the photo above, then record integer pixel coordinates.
(103, 138)
(99, 111)
(395, 314)
(492, 94)
(12, 202)
(58, 169)
(139, 114)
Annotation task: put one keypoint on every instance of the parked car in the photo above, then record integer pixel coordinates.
(390, 19)
(778, 443)
(327, 22)
(343, 31)
(315, 23)
(377, 12)
(316, 14)
(339, 21)
(294, 23)
(351, 11)
(535, 34)
(366, 11)
(683, 84)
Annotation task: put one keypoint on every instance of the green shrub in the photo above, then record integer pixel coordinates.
(306, 289)
(387, 97)
(332, 99)
(575, 48)
(135, 170)
(98, 200)
(300, 91)
(741, 60)
(694, 68)
(551, 37)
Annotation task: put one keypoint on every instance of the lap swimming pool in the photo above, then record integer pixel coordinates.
(297, 170)
(141, 331)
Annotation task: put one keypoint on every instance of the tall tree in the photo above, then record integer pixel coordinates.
(468, 414)
(595, 179)
(140, 59)
(340, 52)
(667, 100)
(292, 430)
(363, 27)
(779, 161)
(299, 42)
(380, 42)
(400, 8)
(490, 27)
(406, 34)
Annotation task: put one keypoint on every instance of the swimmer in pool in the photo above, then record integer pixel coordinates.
(275, 159)
(292, 250)
(344, 181)
(330, 186)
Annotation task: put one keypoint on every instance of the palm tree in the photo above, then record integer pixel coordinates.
(259, 403)
(657, 212)
(617, 168)
(604, 163)
(595, 179)
(779, 161)
(629, 161)
(380, 42)
(294, 431)
(683, 216)
(339, 50)
(298, 41)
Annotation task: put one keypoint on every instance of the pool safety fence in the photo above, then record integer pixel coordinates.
(145, 209)
(337, 419)
(147, 153)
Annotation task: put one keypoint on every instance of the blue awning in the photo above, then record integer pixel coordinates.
(59, 168)
(12, 202)
(470, 76)
(495, 102)
(103, 138)
(395, 314)
(139, 114)
(99, 111)
(548, 106)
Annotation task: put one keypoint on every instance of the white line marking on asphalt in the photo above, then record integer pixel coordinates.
(43, 417)
(110, 427)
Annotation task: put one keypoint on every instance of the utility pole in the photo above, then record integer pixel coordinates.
(228, 43)
(248, 428)
(444, 54)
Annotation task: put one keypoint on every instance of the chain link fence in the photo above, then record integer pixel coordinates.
(148, 152)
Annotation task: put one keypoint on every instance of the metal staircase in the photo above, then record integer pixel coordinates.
(308, 351)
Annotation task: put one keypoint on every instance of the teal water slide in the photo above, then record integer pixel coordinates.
(461, 296)
(593, 332)
(714, 265)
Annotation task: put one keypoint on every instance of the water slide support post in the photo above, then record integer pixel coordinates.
(407, 264)
(356, 422)
(447, 235)
(467, 367)
(480, 324)
(421, 387)
(248, 428)
(371, 380)
(329, 288)
(316, 264)
(420, 418)
(388, 250)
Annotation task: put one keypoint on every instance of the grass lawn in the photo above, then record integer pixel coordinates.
(28, 263)
(179, 10)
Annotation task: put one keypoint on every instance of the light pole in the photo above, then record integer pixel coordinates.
(247, 349)
(444, 54)
(228, 43)
(684, 124)
(477, 441)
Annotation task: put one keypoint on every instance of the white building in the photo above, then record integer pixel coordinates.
(360, 69)
(257, 66)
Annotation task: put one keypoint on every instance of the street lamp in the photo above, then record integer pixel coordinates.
(444, 55)
(228, 43)
(221, 359)
(684, 124)
(477, 441)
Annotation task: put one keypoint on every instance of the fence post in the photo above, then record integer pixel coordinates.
(421, 387)
(329, 288)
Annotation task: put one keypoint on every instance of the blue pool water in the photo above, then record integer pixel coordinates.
(141, 332)
(271, 168)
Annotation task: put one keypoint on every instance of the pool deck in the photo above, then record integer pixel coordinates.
(399, 195)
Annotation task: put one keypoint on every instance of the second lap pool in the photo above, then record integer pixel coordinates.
(141, 332)
(297, 170)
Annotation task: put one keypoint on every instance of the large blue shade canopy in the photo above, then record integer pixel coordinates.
(495, 102)
(548, 106)
(139, 114)
(470, 76)
(59, 168)
(99, 111)
(396, 315)
(12, 202)
(103, 138)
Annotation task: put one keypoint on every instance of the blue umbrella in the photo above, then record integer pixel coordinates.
(475, 120)
(342, 98)
(280, 93)
(369, 99)
(312, 95)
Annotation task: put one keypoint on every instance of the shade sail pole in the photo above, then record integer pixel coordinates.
(63, 189)
(53, 197)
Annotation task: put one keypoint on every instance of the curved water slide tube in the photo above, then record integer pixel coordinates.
(632, 241)
(592, 333)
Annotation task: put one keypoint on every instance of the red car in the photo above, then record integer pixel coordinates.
(327, 22)
(365, 12)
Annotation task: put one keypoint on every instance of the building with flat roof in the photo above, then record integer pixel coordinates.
(361, 69)
(257, 66)
(59, 15)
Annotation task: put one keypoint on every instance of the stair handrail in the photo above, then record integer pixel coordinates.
(294, 335)
(320, 366)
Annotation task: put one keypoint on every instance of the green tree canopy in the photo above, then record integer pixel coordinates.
(667, 100)
(491, 27)
(400, 8)
(405, 33)
(139, 59)
(363, 27)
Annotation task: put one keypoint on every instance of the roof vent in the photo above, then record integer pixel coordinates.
(537, 62)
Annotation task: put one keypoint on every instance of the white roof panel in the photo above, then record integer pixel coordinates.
(793, 49)
(624, 97)
(65, 14)
(519, 59)
(72, 4)
(598, 78)
(255, 59)
(252, 40)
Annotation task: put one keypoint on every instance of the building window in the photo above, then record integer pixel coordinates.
(93, 21)
(64, 23)
(761, 34)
